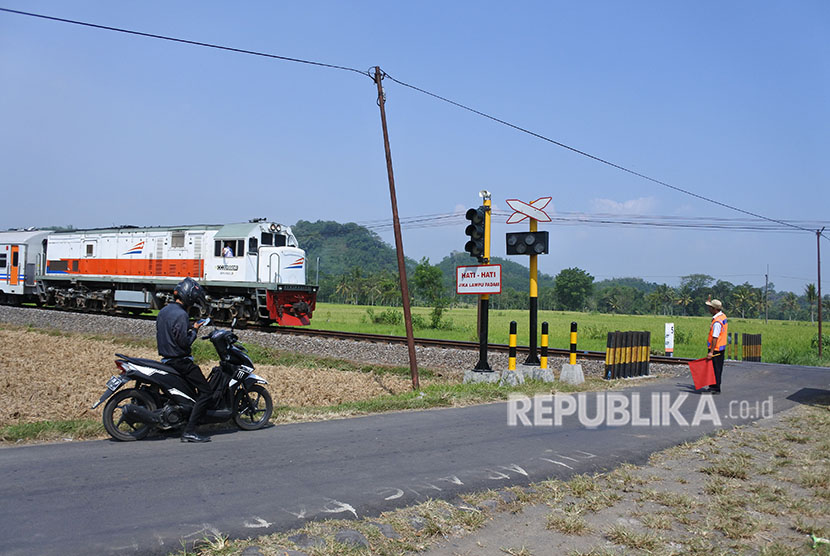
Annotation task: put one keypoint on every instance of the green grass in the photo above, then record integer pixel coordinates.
(783, 341)
(52, 430)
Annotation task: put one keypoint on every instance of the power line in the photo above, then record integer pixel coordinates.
(588, 155)
(423, 91)
(185, 41)
(601, 220)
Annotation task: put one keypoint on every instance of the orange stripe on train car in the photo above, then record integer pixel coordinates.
(131, 267)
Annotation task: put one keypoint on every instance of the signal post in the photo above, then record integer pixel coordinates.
(484, 279)
(533, 243)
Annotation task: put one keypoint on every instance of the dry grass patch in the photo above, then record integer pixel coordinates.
(66, 374)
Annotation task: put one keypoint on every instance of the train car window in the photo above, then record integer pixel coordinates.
(279, 240)
(267, 238)
(240, 247)
(90, 249)
(177, 240)
(217, 248)
(3, 260)
(252, 245)
(15, 260)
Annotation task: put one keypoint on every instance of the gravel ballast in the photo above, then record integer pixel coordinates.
(447, 361)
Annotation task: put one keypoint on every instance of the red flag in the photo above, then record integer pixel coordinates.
(703, 372)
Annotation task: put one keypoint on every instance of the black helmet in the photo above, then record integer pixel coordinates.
(190, 292)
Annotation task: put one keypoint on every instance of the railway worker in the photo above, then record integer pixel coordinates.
(717, 341)
(227, 251)
(174, 336)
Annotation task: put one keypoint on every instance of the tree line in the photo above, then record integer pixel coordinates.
(574, 289)
(357, 267)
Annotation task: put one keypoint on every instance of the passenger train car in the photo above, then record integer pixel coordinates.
(253, 271)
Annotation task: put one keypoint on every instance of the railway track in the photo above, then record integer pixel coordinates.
(452, 344)
(388, 339)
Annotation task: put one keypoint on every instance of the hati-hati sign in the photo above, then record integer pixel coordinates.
(480, 279)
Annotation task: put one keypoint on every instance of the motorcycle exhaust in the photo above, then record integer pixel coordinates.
(132, 412)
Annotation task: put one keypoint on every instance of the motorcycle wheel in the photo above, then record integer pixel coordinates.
(252, 410)
(120, 428)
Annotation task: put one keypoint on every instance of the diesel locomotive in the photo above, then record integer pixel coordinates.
(253, 271)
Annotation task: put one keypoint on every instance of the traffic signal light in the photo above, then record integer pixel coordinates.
(476, 231)
(527, 243)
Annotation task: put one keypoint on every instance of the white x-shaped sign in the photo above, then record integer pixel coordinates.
(525, 210)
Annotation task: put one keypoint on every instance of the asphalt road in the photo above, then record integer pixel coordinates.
(150, 497)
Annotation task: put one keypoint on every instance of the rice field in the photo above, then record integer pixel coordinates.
(790, 342)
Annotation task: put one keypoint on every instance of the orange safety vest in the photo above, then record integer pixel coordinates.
(722, 337)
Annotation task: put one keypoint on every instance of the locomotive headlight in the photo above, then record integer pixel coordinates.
(273, 227)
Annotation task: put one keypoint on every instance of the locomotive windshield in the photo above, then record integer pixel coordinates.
(276, 240)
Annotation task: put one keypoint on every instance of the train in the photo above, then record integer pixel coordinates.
(252, 271)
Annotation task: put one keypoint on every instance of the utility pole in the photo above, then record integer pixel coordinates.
(818, 255)
(407, 311)
(766, 296)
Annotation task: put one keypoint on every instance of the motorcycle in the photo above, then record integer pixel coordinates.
(161, 399)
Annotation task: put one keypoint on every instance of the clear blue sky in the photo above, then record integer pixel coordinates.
(729, 100)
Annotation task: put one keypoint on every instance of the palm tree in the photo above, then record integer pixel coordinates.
(684, 299)
(667, 297)
(343, 287)
(789, 304)
(742, 297)
(812, 296)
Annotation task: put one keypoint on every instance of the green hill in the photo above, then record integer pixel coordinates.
(354, 257)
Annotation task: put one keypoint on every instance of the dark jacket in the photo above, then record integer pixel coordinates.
(174, 335)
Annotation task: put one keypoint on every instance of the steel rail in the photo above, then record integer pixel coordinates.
(453, 344)
(387, 339)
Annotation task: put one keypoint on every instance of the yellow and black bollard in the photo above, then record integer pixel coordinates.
(511, 361)
(610, 352)
(572, 359)
(543, 351)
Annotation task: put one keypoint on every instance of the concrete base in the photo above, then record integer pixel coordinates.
(572, 374)
(474, 377)
(512, 378)
(545, 375)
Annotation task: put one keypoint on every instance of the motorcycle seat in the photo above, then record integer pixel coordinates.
(152, 363)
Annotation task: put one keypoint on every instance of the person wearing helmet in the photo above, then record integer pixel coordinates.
(174, 336)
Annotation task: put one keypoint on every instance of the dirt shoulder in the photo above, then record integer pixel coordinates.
(758, 489)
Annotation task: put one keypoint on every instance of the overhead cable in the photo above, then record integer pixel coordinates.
(185, 41)
(423, 91)
(591, 156)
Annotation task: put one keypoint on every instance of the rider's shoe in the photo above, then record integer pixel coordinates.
(194, 437)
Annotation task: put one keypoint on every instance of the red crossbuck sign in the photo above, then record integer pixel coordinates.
(532, 210)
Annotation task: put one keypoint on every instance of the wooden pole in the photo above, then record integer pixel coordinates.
(818, 255)
(407, 311)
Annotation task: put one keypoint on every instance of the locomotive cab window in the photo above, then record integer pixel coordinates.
(279, 240)
(252, 245)
(227, 248)
(267, 238)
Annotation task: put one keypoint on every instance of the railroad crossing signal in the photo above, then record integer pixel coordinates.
(531, 243)
(477, 231)
(533, 210)
(527, 243)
